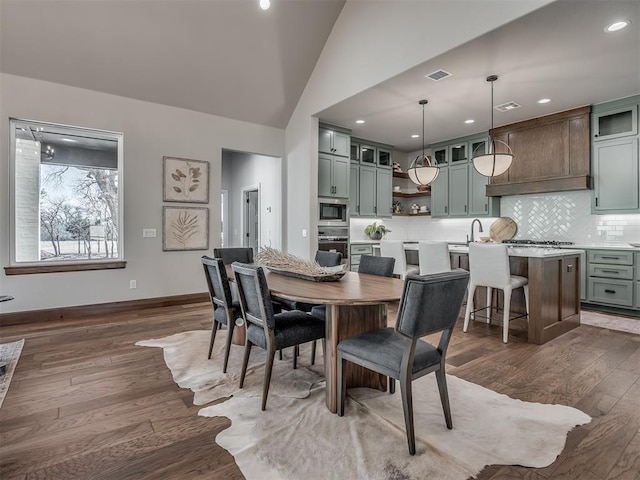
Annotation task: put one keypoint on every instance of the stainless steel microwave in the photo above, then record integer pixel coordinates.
(333, 212)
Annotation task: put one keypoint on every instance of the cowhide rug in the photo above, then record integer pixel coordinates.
(298, 438)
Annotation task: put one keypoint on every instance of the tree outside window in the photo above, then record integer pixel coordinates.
(66, 198)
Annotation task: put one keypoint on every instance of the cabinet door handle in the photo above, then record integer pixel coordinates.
(609, 291)
(465, 209)
(596, 201)
(486, 207)
(569, 268)
(610, 258)
(446, 209)
(615, 272)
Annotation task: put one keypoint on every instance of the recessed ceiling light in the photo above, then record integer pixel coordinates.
(415, 136)
(544, 100)
(469, 121)
(359, 121)
(265, 4)
(615, 26)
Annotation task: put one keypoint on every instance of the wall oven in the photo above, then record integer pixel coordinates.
(333, 212)
(334, 239)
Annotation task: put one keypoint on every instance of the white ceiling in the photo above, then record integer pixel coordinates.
(223, 57)
(559, 51)
(230, 58)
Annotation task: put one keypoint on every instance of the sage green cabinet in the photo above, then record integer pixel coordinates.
(616, 176)
(370, 193)
(614, 157)
(354, 189)
(333, 176)
(367, 191)
(385, 158)
(458, 190)
(333, 142)
(383, 192)
(367, 154)
(440, 194)
(615, 122)
(612, 277)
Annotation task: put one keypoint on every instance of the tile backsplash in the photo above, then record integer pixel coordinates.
(562, 216)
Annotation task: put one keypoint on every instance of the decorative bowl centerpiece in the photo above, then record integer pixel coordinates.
(286, 264)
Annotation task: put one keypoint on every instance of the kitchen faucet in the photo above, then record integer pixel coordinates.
(480, 230)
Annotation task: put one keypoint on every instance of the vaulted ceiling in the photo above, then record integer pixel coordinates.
(224, 57)
(232, 59)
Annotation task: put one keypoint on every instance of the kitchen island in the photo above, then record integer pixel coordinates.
(554, 287)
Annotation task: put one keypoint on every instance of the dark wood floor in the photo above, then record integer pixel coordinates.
(85, 403)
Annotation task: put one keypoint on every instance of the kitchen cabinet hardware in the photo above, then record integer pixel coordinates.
(608, 290)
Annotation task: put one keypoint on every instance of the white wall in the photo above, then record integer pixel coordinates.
(151, 131)
(241, 170)
(371, 42)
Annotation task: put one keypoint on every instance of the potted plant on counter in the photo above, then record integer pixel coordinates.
(375, 231)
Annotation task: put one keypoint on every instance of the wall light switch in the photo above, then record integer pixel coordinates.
(148, 233)
(304, 232)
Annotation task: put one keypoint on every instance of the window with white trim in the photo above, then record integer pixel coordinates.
(66, 194)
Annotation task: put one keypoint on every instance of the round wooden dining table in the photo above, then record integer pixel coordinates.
(356, 303)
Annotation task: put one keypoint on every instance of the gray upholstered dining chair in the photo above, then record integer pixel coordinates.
(429, 304)
(266, 329)
(370, 264)
(373, 265)
(234, 254)
(225, 311)
(324, 259)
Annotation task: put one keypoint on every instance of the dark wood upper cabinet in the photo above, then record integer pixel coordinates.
(551, 154)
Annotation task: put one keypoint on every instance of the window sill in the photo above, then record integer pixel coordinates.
(64, 267)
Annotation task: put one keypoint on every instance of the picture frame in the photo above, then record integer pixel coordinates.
(185, 180)
(185, 228)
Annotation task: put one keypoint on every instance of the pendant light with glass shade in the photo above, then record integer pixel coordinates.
(492, 163)
(421, 171)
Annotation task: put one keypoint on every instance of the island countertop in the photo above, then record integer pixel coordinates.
(527, 252)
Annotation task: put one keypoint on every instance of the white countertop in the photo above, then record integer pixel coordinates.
(414, 243)
(528, 252)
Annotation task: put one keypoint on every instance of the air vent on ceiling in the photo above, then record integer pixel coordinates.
(505, 107)
(438, 75)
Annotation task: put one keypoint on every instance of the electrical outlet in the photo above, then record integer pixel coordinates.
(304, 232)
(148, 233)
(133, 284)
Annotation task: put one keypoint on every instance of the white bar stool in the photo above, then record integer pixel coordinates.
(433, 257)
(489, 267)
(395, 249)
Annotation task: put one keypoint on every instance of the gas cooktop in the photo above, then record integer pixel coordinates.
(536, 243)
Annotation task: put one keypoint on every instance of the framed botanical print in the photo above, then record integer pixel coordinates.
(185, 180)
(185, 228)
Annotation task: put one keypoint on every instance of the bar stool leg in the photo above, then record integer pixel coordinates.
(467, 314)
(489, 295)
(507, 309)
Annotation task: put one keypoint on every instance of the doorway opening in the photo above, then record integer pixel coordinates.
(251, 215)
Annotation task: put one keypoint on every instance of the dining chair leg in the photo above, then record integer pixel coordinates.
(392, 386)
(505, 318)
(441, 377)
(526, 299)
(280, 354)
(407, 406)
(467, 314)
(296, 351)
(313, 352)
(267, 377)
(214, 329)
(228, 346)
(245, 361)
